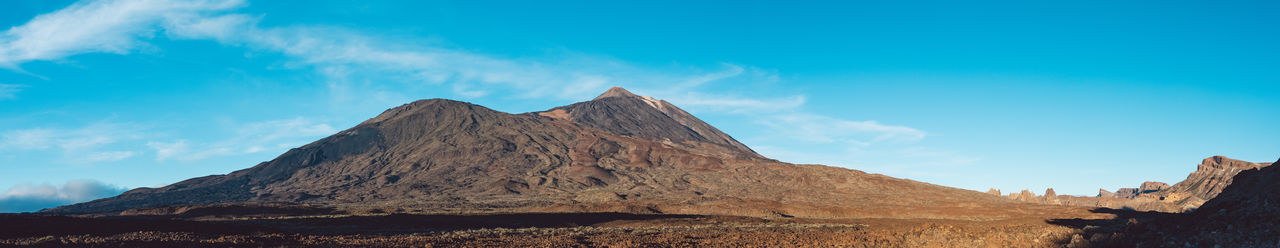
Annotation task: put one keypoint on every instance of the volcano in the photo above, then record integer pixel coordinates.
(619, 152)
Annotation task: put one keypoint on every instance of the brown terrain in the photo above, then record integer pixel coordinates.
(1242, 214)
(620, 170)
(1212, 176)
(617, 153)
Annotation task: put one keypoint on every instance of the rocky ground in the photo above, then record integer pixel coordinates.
(539, 230)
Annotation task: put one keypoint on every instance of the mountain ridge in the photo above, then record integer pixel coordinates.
(616, 153)
(1211, 177)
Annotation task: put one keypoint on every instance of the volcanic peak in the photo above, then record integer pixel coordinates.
(616, 91)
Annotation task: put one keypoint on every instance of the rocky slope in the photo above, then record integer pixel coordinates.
(1243, 214)
(1212, 175)
(618, 152)
(620, 112)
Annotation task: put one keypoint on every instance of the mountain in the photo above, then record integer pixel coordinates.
(1212, 176)
(618, 152)
(1244, 212)
(620, 112)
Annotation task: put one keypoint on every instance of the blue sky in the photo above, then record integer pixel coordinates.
(101, 96)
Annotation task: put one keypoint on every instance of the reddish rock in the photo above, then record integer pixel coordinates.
(1149, 187)
(1128, 193)
(1105, 193)
(1212, 176)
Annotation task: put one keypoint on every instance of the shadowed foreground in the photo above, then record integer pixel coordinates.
(527, 230)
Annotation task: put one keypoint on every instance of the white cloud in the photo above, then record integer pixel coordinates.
(10, 91)
(107, 156)
(166, 151)
(123, 26)
(699, 80)
(249, 138)
(32, 197)
(107, 26)
(823, 129)
(274, 130)
(79, 145)
(364, 68)
(737, 104)
(864, 145)
(29, 139)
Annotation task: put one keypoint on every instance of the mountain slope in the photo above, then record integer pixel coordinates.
(1212, 175)
(1246, 211)
(619, 152)
(618, 111)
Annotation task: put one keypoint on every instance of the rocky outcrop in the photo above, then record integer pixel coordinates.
(1105, 193)
(1146, 188)
(1151, 187)
(1243, 212)
(1127, 193)
(1212, 175)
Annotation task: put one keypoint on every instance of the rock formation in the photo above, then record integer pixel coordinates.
(1243, 212)
(1212, 175)
(1151, 187)
(1127, 193)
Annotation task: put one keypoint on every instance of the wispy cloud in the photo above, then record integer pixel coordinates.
(249, 138)
(10, 91)
(107, 26)
(738, 104)
(79, 145)
(125, 26)
(817, 128)
(357, 66)
(33, 197)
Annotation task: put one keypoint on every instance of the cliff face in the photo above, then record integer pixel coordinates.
(1212, 176)
(1242, 214)
(1248, 208)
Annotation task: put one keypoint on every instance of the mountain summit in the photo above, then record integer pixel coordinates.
(615, 91)
(620, 112)
(619, 152)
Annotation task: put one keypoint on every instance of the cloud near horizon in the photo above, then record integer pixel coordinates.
(34, 197)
